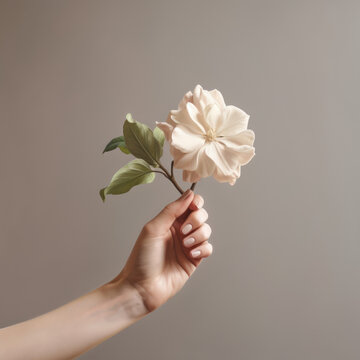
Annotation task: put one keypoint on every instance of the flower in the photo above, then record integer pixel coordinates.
(208, 138)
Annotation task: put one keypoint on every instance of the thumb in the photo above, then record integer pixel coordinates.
(163, 221)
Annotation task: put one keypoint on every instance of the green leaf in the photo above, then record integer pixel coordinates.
(136, 172)
(129, 118)
(102, 193)
(159, 136)
(118, 142)
(141, 141)
(124, 149)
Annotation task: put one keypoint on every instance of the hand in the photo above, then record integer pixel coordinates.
(160, 263)
(168, 250)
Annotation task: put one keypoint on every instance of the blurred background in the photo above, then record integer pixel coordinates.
(283, 282)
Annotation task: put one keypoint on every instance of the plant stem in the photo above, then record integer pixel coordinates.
(171, 177)
(172, 168)
(160, 172)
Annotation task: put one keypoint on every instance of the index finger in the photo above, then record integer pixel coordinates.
(197, 203)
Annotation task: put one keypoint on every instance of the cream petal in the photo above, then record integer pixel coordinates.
(243, 153)
(213, 116)
(202, 98)
(190, 176)
(246, 154)
(205, 166)
(234, 121)
(238, 171)
(188, 117)
(187, 98)
(197, 94)
(166, 128)
(175, 153)
(185, 140)
(196, 116)
(196, 161)
(246, 137)
(169, 120)
(185, 161)
(226, 162)
(231, 179)
(206, 99)
(220, 177)
(216, 94)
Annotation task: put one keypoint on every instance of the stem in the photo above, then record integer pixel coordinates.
(193, 185)
(160, 172)
(172, 168)
(171, 177)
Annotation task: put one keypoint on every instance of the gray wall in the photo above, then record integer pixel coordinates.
(283, 282)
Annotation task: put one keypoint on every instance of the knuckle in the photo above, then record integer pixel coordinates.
(148, 228)
(168, 209)
(199, 216)
(204, 231)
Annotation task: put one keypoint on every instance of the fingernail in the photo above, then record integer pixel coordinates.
(198, 202)
(189, 241)
(186, 229)
(195, 253)
(185, 194)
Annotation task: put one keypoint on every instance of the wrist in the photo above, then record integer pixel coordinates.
(123, 301)
(125, 296)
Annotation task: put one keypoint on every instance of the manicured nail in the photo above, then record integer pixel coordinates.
(195, 253)
(186, 229)
(198, 202)
(189, 241)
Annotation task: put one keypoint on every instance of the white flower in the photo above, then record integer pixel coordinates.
(208, 138)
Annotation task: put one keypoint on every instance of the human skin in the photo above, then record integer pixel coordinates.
(161, 262)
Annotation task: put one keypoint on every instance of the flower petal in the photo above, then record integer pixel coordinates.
(216, 94)
(205, 166)
(190, 176)
(185, 161)
(246, 137)
(196, 116)
(187, 98)
(234, 121)
(202, 98)
(213, 116)
(221, 178)
(169, 120)
(240, 144)
(243, 153)
(166, 128)
(226, 162)
(196, 161)
(185, 140)
(190, 117)
(231, 179)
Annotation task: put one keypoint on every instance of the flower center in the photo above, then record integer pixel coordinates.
(210, 135)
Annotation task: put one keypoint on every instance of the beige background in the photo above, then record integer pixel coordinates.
(283, 282)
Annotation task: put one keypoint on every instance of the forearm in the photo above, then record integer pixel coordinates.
(76, 327)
